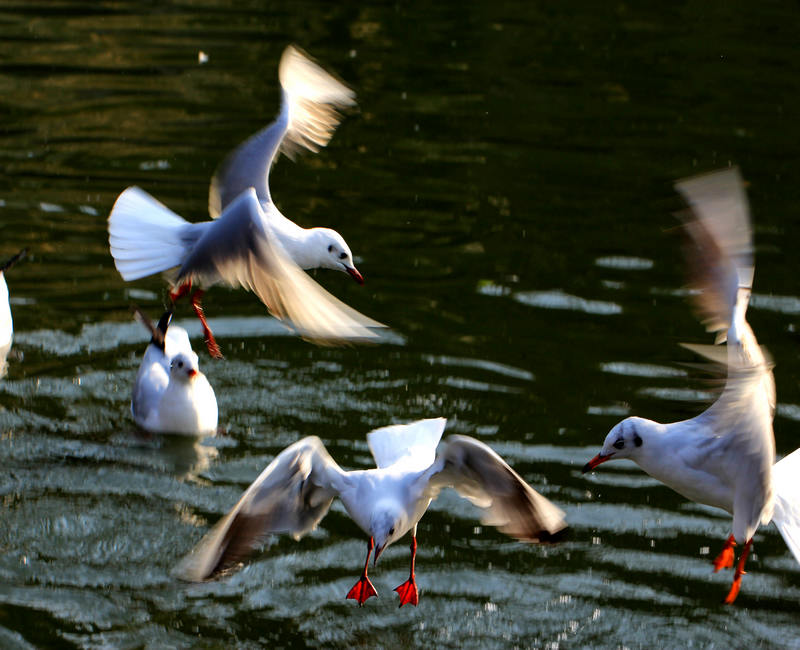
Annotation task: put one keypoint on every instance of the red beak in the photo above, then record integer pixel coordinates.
(192, 373)
(353, 271)
(588, 467)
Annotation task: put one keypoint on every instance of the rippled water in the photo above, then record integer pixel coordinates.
(506, 189)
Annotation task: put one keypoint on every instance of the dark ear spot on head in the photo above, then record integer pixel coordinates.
(637, 440)
(330, 248)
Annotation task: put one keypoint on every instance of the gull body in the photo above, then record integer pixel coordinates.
(723, 457)
(296, 490)
(170, 394)
(249, 242)
(6, 321)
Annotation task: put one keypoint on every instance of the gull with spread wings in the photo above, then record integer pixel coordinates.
(248, 242)
(295, 491)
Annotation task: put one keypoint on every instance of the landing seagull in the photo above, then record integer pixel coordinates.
(248, 242)
(6, 322)
(170, 394)
(295, 491)
(723, 457)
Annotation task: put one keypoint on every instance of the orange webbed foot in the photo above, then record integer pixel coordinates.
(362, 590)
(408, 593)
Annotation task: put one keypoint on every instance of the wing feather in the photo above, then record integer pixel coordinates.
(291, 496)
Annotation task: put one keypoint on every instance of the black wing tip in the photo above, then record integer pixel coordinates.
(158, 332)
(14, 259)
(561, 535)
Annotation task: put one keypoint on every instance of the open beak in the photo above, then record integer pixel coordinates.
(353, 271)
(597, 460)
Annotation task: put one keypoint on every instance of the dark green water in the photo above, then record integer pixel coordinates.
(506, 189)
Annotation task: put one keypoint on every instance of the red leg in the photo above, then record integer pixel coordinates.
(180, 292)
(363, 589)
(408, 590)
(725, 559)
(211, 343)
(737, 576)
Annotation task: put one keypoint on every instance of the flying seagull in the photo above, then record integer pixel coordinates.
(723, 457)
(295, 491)
(248, 242)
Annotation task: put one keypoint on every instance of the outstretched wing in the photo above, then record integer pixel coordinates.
(291, 496)
(477, 473)
(311, 101)
(240, 250)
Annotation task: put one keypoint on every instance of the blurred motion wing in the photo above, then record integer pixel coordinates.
(239, 249)
(311, 101)
(291, 496)
(477, 473)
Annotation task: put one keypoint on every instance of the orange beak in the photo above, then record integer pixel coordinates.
(597, 460)
(353, 271)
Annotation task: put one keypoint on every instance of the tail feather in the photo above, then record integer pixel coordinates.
(390, 444)
(787, 500)
(145, 236)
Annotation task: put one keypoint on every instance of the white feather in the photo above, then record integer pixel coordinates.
(144, 235)
(787, 500)
(417, 440)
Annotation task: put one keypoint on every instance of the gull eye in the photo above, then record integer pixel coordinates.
(342, 256)
(619, 444)
(391, 530)
(330, 248)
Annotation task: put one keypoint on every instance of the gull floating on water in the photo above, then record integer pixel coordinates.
(6, 322)
(295, 491)
(723, 457)
(171, 395)
(249, 243)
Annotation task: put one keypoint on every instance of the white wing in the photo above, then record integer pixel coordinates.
(477, 473)
(238, 249)
(786, 481)
(291, 495)
(311, 100)
(416, 441)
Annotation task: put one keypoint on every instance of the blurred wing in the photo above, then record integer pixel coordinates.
(720, 245)
(238, 249)
(311, 100)
(291, 495)
(477, 473)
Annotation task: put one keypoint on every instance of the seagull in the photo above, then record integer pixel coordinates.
(171, 395)
(6, 322)
(723, 457)
(295, 491)
(248, 242)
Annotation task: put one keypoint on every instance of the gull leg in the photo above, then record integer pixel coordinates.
(737, 576)
(725, 559)
(180, 292)
(364, 589)
(211, 343)
(408, 590)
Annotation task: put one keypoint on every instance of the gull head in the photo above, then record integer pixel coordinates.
(625, 440)
(389, 522)
(183, 368)
(334, 253)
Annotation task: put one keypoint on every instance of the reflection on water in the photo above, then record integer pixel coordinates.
(506, 189)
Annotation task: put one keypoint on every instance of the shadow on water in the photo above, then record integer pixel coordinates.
(506, 188)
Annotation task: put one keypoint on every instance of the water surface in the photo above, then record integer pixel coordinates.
(506, 188)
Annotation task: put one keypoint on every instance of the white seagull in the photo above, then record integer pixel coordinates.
(171, 395)
(248, 242)
(294, 492)
(6, 322)
(724, 456)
